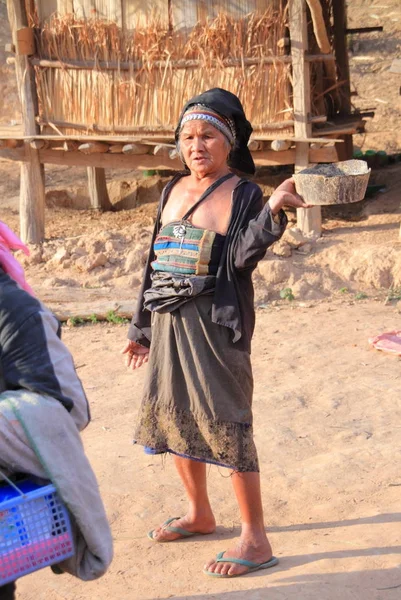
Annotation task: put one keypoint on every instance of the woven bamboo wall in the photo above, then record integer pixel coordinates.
(154, 38)
(127, 13)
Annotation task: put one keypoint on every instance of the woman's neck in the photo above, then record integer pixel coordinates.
(210, 177)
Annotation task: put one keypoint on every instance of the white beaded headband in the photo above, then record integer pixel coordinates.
(204, 113)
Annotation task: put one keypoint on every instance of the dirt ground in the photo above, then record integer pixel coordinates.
(327, 421)
(327, 406)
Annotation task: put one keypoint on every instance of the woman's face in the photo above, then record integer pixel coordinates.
(203, 147)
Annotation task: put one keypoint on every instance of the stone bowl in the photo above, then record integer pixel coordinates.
(338, 183)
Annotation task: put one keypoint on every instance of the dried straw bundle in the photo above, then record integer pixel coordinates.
(149, 94)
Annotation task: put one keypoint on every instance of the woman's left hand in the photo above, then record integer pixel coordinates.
(136, 355)
(286, 195)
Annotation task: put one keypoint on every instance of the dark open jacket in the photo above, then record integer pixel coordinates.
(251, 231)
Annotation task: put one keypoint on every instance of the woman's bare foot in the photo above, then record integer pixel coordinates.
(203, 525)
(255, 549)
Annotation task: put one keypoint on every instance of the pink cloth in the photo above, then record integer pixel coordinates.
(388, 342)
(9, 241)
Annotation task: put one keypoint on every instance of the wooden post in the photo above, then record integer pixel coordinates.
(345, 150)
(307, 219)
(32, 187)
(98, 193)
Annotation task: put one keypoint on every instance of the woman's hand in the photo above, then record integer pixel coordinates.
(137, 355)
(286, 195)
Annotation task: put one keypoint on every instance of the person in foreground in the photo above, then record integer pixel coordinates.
(43, 407)
(195, 319)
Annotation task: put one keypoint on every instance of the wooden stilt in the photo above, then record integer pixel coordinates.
(307, 219)
(98, 193)
(32, 190)
(341, 53)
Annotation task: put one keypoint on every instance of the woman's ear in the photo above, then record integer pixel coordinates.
(180, 156)
(178, 148)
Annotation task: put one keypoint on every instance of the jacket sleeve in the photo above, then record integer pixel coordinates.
(141, 333)
(260, 232)
(140, 330)
(35, 359)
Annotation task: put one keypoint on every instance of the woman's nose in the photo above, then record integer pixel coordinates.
(197, 143)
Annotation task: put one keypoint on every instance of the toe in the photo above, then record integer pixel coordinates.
(212, 567)
(225, 569)
(161, 534)
(236, 570)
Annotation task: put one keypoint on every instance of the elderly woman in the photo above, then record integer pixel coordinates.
(195, 320)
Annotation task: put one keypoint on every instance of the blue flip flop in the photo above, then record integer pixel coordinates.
(183, 532)
(245, 563)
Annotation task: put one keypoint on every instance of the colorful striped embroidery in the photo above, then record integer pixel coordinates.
(191, 255)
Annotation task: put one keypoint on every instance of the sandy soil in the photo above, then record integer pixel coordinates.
(327, 420)
(327, 407)
(91, 257)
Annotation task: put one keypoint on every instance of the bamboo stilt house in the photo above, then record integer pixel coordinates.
(107, 81)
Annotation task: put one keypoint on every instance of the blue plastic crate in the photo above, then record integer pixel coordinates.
(35, 530)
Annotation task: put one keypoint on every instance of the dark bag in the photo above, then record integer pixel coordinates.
(2, 381)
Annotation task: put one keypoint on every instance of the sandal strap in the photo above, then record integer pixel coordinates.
(237, 561)
(179, 530)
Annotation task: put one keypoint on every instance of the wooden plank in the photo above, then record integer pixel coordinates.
(158, 64)
(107, 10)
(149, 161)
(307, 219)
(10, 143)
(110, 10)
(108, 161)
(339, 130)
(290, 138)
(85, 138)
(345, 149)
(87, 310)
(32, 190)
(186, 13)
(173, 64)
(82, 9)
(25, 41)
(47, 8)
(151, 142)
(341, 52)
(99, 196)
(136, 13)
(145, 130)
(319, 26)
(352, 30)
(288, 157)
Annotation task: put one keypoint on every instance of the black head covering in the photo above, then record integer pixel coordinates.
(229, 106)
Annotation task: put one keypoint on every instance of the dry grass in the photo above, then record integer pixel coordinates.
(152, 95)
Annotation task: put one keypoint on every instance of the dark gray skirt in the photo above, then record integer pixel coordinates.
(197, 401)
